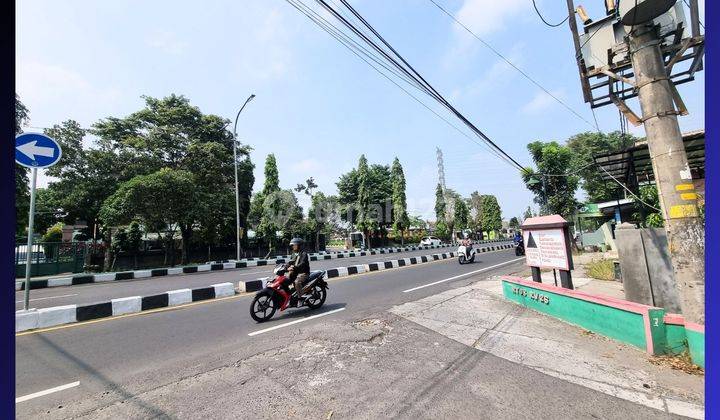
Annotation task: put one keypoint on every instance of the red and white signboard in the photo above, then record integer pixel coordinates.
(546, 248)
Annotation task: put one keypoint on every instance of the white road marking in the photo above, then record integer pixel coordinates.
(44, 298)
(462, 275)
(295, 322)
(46, 392)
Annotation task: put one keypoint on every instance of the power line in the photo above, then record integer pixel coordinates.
(518, 69)
(440, 98)
(320, 21)
(545, 21)
(406, 70)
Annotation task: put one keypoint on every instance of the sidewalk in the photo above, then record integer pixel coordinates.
(479, 316)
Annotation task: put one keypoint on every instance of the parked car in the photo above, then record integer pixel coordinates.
(430, 240)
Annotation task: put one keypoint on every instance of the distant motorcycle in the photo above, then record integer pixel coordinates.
(465, 254)
(276, 297)
(519, 248)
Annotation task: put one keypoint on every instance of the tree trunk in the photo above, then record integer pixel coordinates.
(402, 237)
(107, 260)
(185, 233)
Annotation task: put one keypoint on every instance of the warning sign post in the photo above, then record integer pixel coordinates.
(547, 245)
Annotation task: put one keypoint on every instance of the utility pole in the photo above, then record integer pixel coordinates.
(678, 200)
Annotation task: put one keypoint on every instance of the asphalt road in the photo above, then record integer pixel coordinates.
(174, 362)
(97, 292)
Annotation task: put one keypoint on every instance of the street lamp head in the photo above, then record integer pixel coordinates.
(251, 97)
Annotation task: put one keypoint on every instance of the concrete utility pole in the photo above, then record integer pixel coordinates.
(678, 200)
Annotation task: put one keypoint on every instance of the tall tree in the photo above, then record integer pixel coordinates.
(491, 214)
(380, 193)
(440, 209)
(272, 178)
(554, 191)
(462, 214)
(399, 200)
(586, 145)
(171, 133)
(476, 203)
(22, 192)
(164, 201)
(514, 223)
(365, 221)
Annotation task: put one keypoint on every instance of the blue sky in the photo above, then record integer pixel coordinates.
(318, 107)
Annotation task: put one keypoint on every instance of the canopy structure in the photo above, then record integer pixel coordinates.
(633, 166)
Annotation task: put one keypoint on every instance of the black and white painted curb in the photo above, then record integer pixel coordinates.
(258, 284)
(211, 266)
(58, 315)
(66, 314)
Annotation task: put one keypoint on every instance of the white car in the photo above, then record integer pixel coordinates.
(430, 240)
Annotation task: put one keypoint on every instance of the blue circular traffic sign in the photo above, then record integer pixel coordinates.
(36, 150)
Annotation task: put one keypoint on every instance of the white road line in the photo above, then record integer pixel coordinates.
(295, 322)
(46, 392)
(49, 297)
(462, 275)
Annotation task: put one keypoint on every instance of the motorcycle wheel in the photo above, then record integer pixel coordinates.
(262, 307)
(472, 259)
(461, 259)
(517, 252)
(316, 298)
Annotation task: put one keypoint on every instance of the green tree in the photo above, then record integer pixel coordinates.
(272, 178)
(399, 200)
(588, 144)
(439, 203)
(365, 222)
(53, 233)
(171, 133)
(555, 194)
(70, 136)
(514, 223)
(281, 213)
(378, 214)
(491, 214)
(475, 206)
(22, 192)
(164, 201)
(134, 241)
(462, 214)
(119, 244)
(528, 214)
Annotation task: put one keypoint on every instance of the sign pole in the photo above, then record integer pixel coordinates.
(28, 258)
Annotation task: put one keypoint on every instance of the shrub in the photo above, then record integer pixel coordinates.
(601, 269)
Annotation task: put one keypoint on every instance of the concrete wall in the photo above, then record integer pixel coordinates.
(646, 268)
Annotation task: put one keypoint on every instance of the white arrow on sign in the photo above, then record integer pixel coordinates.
(30, 150)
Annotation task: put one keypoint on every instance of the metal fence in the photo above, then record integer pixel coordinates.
(48, 258)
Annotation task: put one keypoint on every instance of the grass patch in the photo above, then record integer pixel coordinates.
(601, 269)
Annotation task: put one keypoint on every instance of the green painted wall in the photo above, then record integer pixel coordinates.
(675, 339)
(696, 343)
(625, 326)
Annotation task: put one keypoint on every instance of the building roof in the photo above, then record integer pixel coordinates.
(636, 159)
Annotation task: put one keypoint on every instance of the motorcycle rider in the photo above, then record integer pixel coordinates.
(298, 266)
(467, 243)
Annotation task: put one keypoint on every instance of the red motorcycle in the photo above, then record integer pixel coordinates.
(278, 296)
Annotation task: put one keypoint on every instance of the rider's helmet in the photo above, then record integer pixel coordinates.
(465, 235)
(297, 241)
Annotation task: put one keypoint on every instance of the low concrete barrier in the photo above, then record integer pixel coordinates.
(643, 326)
(59, 315)
(211, 266)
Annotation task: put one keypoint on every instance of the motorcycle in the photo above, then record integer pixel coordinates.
(465, 256)
(275, 297)
(519, 248)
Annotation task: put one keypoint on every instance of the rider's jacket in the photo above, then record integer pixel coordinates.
(301, 261)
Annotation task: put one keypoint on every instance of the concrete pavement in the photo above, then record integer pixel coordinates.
(360, 362)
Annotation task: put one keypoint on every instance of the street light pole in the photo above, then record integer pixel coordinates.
(237, 193)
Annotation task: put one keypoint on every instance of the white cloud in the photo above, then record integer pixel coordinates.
(542, 101)
(482, 17)
(499, 74)
(275, 59)
(167, 42)
(57, 92)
